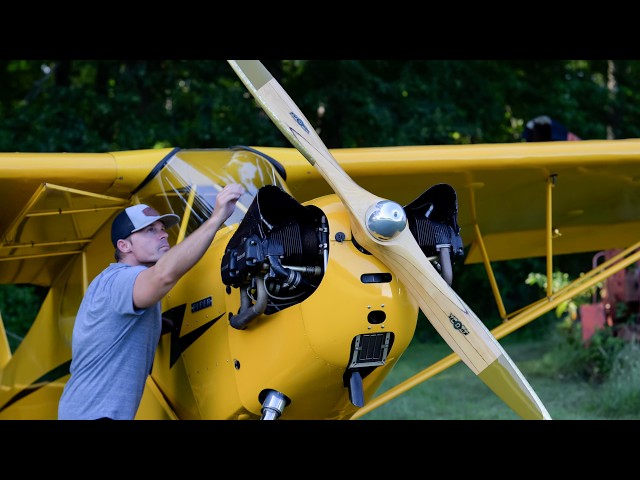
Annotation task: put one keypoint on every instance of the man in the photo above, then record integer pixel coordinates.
(118, 325)
(546, 129)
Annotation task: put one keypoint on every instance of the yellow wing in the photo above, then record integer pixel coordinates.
(54, 203)
(505, 192)
(586, 195)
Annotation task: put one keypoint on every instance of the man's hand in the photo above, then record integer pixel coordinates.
(226, 201)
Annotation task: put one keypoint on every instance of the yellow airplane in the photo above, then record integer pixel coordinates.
(310, 293)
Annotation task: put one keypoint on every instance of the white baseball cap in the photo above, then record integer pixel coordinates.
(135, 218)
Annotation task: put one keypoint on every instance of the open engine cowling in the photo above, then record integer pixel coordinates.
(433, 221)
(277, 256)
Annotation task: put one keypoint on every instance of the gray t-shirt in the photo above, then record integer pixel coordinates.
(113, 346)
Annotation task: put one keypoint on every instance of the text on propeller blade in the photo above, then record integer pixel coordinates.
(457, 324)
(299, 121)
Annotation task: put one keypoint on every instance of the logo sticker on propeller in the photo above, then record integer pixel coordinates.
(299, 121)
(457, 324)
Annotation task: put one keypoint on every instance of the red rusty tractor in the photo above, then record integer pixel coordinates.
(618, 303)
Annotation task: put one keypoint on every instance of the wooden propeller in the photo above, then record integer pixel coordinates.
(380, 226)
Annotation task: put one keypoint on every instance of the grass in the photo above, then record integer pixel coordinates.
(457, 394)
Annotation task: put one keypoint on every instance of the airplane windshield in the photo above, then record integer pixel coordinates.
(190, 180)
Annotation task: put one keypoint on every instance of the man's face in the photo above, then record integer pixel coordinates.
(150, 243)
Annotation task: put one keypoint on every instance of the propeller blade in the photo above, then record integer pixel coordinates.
(380, 226)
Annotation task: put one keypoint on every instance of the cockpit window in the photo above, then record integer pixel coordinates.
(191, 179)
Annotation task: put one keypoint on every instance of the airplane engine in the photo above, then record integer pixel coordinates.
(319, 323)
(277, 256)
(433, 221)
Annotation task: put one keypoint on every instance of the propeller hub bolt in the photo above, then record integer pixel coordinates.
(385, 220)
